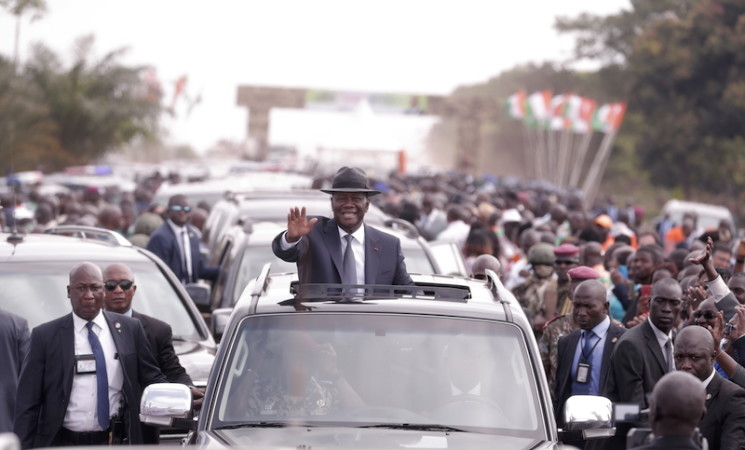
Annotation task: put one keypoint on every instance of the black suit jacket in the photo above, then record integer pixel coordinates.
(671, 443)
(14, 343)
(319, 259)
(636, 364)
(566, 348)
(724, 423)
(47, 374)
(164, 244)
(160, 338)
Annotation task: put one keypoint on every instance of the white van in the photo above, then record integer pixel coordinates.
(709, 215)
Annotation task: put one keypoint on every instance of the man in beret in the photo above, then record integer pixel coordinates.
(343, 249)
(567, 258)
(561, 325)
(537, 294)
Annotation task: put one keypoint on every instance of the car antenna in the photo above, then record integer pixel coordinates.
(14, 237)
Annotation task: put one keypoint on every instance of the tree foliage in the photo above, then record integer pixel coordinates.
(79, 111)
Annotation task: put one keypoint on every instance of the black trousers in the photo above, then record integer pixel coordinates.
(66, 438)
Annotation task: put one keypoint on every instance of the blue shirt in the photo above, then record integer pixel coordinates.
(595, 358)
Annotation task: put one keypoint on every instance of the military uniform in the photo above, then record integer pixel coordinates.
(548, 345)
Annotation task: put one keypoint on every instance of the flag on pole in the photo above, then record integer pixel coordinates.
(608, 117)
(515, 105)
(557, 117)
(581, 114)
(537, 108)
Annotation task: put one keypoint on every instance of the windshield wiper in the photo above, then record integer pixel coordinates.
(254, 425)
(414, 426)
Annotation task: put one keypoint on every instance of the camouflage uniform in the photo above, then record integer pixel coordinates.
(548, 345)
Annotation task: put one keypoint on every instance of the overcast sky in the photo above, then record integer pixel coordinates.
(417, 46)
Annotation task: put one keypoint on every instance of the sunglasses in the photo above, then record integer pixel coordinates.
(125, 284)
(708, 315)
(179, 208)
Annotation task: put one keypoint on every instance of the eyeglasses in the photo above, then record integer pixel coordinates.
(566, 262)
(125, 284)
(673, 302)
(708, 315)
(179, 208)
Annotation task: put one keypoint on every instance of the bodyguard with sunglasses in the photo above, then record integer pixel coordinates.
(176, 242)
(119, 289)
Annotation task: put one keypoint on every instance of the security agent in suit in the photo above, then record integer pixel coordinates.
(74, 357)
(176, 242)
(318, 245)
(676, 407)
(581, 371)
(640, 357)
(119, 290)
(14, 342)
(723, 425)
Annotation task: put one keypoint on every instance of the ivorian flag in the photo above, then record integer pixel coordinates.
(537, 108)
(557, 117)
(608, 117)
(580, 113)
(515, 105)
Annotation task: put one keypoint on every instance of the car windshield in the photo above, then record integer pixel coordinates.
(37, 291)
(379, 369)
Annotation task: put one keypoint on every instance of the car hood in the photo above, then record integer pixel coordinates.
(379, 438)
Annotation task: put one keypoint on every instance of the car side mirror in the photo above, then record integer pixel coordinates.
(200, 294)
(219, 321)
(162, 404)
(590, 415)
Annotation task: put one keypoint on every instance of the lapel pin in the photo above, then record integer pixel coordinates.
(118, 326)
(375, 248)
(613, 340)
(708, 397)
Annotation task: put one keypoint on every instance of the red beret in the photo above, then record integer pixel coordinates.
(582, 273)
(566, 251)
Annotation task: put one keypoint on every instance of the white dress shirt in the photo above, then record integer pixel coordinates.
(81, 409)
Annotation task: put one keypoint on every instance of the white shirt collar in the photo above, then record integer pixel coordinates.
(176, 229)
(659, 334)
(709, 378)
(358, 235)
(79, 323)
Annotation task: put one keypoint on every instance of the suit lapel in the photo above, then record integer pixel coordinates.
(115, 327)
(66, 347)
(712, 389)
(654, 345)
(372, 255)
(610, 343)
(333, 243)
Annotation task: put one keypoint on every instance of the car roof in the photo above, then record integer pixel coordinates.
(31, 247)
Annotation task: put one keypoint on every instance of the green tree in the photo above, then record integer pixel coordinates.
(98, 104)
(28, 134)
(20, 8)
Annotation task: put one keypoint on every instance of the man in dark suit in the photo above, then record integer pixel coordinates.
(676, 408)
(584, 354)
(176, 242)
(119, 290)
(644, 354)
(82, 371)
(342, 250)
(14, 343)
(723, 425)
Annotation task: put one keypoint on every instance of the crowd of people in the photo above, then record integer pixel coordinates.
(609, 295)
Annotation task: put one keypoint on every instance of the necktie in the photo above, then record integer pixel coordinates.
(349, 269)
(186, 260)
(669, 355)
(589, 343)
(102, 380)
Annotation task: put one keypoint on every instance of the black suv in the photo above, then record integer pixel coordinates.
(448, 363)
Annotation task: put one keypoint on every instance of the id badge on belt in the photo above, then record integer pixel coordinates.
(583, 373)
(85, 364)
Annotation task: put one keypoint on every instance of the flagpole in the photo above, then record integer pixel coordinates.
(592, 182)
(563, 156)
(529, 152)
(579, 159)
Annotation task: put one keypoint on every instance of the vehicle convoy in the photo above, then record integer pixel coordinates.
(34, 273)
(448, 363)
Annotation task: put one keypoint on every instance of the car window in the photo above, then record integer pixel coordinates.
(409, 369)
(38, 292)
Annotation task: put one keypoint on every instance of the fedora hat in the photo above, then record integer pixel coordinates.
(350, 179)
